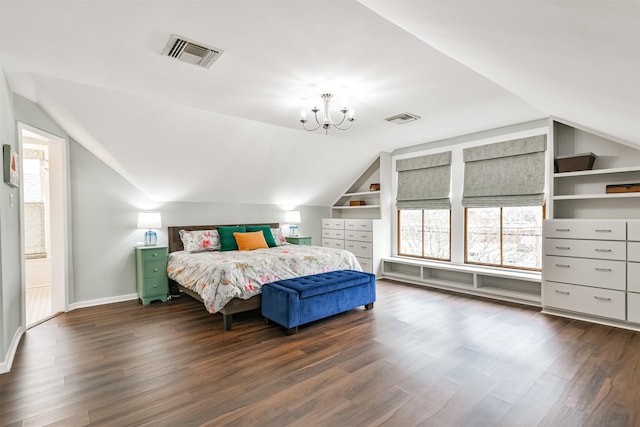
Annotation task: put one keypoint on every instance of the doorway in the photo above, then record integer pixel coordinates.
(42, 211)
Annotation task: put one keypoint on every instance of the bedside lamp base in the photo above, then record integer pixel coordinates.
(150, 238)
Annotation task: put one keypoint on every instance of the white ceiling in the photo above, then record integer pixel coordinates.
(231, 133)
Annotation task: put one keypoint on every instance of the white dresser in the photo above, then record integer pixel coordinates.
(585, 269)
(354, 235)
(633, 271)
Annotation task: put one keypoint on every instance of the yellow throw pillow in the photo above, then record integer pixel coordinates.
(250, 241)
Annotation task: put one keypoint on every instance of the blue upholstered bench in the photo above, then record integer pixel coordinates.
(293, 302)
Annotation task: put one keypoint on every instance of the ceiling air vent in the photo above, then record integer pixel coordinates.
(402, 118)
(193, 53)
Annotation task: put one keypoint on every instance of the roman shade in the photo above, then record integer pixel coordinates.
(424, 182)
(509, 173)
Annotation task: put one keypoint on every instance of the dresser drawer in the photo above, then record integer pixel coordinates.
(633, 230)
(357, 224)
(333, 243)
(155, 268)
(359, 249)
(633, 251)
(366, 264)
(335, 223)
(358, 236)
(331, 233)
(583, 299)
(633, 308)
(601, 273)
(602, 249)
(586, 229)
(154, 254)
(633, 276)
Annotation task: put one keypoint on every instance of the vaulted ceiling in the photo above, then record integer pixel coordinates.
(231, 133)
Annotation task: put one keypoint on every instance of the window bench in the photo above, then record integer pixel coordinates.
(499, 283)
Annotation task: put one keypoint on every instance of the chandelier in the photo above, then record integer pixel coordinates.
(327, 122)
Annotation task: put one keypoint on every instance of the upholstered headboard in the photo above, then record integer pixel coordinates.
(175, 244)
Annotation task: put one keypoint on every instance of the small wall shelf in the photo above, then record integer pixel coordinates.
(597, 196)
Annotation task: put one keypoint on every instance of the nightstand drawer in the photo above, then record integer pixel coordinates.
(333, 243)
(601, 249)
(582, 271)
(154, 255)
(155, 268)
(359, 249)
(583, 299)
(330, 233)
(157, 286)
(298, 240)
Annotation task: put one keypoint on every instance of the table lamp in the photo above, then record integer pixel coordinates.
(293, 219)
(150, 220)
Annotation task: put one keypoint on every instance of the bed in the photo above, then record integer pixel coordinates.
(230, 282)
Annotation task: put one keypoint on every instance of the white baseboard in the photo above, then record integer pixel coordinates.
(5, 366)
(102, 301)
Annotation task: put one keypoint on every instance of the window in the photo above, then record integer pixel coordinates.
(504, 237)
(425, 233)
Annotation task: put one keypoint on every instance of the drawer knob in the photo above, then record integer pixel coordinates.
(602, 298)
(602, 269)
(155, 269)
(562, 292)
(155, 254)
(565, 248)
(563, 229)
(563, 265)
(603, 250)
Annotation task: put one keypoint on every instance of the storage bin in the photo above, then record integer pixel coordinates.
(574, 162)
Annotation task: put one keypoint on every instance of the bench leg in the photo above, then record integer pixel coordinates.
(368, 306)
(266, 321)
(226, 321)
(291, 331)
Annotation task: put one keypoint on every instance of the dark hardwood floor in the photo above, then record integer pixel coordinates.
(420, 357)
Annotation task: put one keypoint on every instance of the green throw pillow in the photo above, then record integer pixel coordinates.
(266, 230)
(227, 241)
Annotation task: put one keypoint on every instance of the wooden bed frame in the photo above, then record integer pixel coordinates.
(235, 305)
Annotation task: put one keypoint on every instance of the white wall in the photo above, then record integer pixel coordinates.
(10, 260)
(105, 211)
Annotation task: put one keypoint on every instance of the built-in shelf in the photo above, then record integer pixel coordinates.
(363, 193)
(357, 207)
(515, 286)
(597, 172)
(596, 196)
(582, 194)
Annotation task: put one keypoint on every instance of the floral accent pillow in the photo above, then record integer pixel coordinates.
(278, 236)
(200, 240)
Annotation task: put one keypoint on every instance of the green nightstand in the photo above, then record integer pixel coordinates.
(151, 273)
(299, 240)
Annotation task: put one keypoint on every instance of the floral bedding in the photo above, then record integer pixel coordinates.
(220, 276)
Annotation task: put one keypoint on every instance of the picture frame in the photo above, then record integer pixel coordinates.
(11, 166)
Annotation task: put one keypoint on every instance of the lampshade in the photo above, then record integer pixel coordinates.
(292, 217)
(149, 220)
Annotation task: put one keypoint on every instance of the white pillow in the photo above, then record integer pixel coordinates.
(200, 240)
(278, 236)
